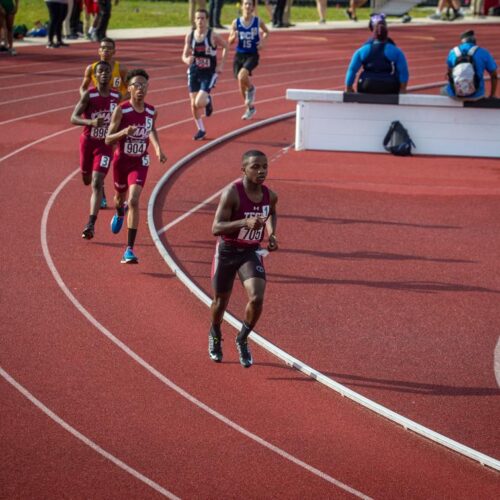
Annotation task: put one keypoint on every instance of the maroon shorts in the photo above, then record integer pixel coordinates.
(95, 156)
(129, 170)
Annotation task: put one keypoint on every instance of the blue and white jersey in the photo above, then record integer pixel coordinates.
(248, 36)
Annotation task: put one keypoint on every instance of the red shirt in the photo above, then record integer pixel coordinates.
(245, 237)
(137, 145)
(99, 107)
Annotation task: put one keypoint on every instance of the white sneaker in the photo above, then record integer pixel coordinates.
(250, 96)
(249, 113)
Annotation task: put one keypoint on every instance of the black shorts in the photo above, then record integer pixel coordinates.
(247, 61)
(374, 84)
(229, 260)
(201, 80)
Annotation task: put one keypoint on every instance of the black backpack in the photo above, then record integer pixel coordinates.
(397, 140)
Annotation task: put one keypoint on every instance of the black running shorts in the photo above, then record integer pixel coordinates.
(229, 260)
(247, 61)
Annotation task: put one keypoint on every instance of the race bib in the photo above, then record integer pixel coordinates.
(250, 234)
(145, 161)
(135, 148)
(202, 62)
(105, 161)
(98, 133)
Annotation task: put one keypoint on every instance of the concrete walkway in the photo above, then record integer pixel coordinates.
(121, 34)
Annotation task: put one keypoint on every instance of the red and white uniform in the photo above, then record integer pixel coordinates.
(245, 237)
(131, 158)
(95, 155)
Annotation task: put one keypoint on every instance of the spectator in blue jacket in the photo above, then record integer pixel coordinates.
(482, 60)
(385, 70)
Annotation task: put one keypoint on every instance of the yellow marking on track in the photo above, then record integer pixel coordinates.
(418, 37)
(317, 38)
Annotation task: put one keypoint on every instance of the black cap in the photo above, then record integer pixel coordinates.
(468, 35)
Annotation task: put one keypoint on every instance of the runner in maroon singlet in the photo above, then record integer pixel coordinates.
(132, 126)
(245, 209)
(93, 112)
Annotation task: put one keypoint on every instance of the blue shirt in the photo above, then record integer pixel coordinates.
(391, 52)
(248, 36)
(483, 61)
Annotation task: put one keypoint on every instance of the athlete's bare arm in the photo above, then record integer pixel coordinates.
(76, 117)
(233, 33)
(156, 142)
(223, 224)
(187, 56)
(220, 42)
(264, 34)
(271, 224)
(87, 79)
(114, 136)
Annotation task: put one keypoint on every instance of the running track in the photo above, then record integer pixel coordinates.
(106, 387)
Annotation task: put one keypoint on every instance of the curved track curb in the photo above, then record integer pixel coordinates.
(275, 350)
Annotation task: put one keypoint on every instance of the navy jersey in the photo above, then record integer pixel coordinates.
(248, 36)
(204, 53)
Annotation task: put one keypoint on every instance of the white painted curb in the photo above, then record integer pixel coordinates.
(273, 349)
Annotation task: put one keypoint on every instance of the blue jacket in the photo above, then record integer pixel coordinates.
(392, 53)
(483, 61)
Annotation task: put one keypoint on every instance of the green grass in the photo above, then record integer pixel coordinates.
(152, 14)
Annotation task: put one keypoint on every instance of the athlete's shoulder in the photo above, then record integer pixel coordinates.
(93, 92)
(149, 108)
(114, 95)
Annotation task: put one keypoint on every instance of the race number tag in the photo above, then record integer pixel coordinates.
(202, 62)
(117, 82)
(145, 161)
(135, 148)
(105, 160)
(250, 234)
(98, 133)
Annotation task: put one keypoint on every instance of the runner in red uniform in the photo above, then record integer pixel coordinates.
(93, 112)
(245, 209)
(132, 126)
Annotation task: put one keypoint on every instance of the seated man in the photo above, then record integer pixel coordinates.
(385, 70)
(466, 66)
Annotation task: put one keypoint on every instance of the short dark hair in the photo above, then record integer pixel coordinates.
(380, 32)
(108, 40)
(137, 72)
(204, 11)
(252, 153)
(468, 36)
(102, 63)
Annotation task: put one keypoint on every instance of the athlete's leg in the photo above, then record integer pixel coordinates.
(255, 288)
(201, 101)
(97, 189)
(244, 81)
(219, 306)
(134, 194)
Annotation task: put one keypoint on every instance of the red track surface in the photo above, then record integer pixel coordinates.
(387, 280)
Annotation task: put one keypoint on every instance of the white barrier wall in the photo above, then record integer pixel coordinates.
(438, 125)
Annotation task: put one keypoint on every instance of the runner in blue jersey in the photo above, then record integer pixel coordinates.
(200, 54)
(250, 31)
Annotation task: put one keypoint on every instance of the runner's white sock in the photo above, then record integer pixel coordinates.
(199, 122)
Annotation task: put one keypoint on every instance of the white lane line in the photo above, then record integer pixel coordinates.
(406, 423)
(496, 362)
(38, 141)
(213, 197)
(84, 439)
(153, 371)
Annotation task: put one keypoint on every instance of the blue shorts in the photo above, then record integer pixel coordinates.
(201, 80)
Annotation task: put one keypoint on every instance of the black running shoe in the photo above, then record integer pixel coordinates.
(88, 232)
(245, 354)
(215, 347)
(199, 135)
(209, 109)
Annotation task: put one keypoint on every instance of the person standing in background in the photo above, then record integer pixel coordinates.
(58, 9)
